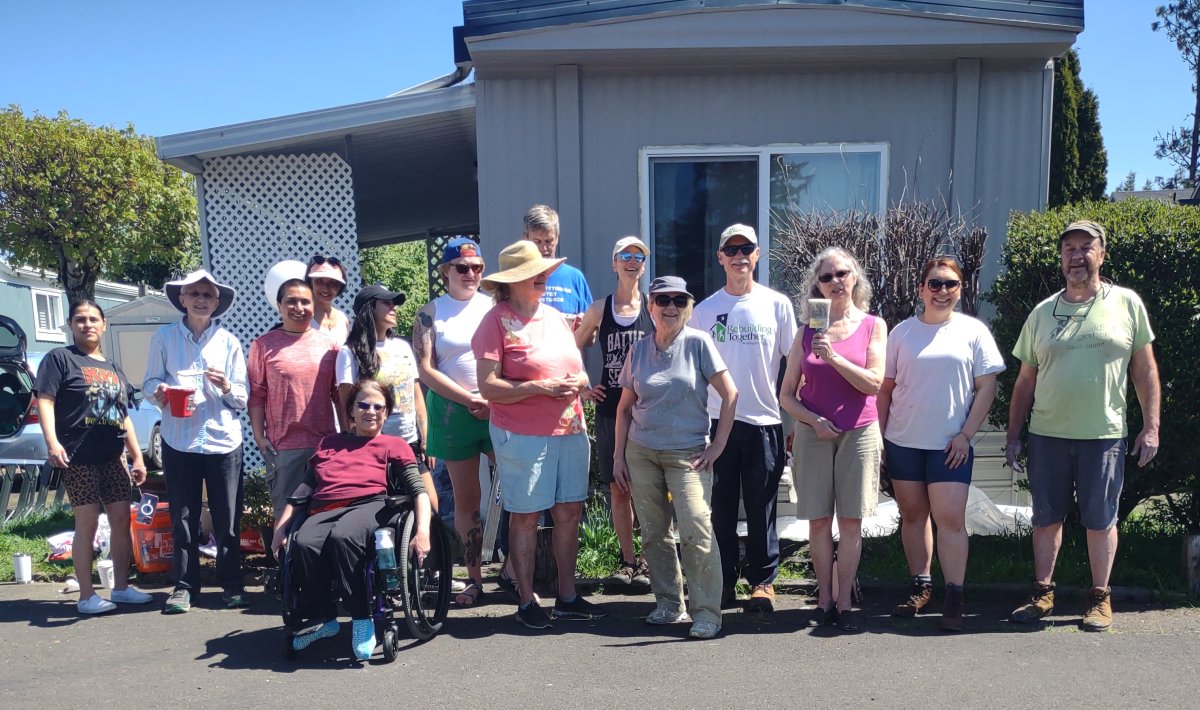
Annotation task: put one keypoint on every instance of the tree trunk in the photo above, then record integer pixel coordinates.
(1191, 564)
(1195, 132)
(78, 278)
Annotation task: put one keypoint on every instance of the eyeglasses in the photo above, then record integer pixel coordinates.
(631, 256)
(939, 284)
(318, 259)
(370, 407)
(662, 300)
(201, 295)
(469, 268)
(745, 249)
(839, 275)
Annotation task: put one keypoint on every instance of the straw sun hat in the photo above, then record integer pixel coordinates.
(519, 261)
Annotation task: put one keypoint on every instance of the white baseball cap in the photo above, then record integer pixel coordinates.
(625, 242)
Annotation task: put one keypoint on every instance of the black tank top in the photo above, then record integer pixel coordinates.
(615, 341)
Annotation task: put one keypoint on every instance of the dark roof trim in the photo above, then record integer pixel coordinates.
(490, 17)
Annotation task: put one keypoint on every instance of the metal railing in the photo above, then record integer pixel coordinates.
(33, 484)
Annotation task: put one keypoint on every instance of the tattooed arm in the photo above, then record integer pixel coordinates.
(431, 377)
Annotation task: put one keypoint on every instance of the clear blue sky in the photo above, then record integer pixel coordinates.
(170, 67)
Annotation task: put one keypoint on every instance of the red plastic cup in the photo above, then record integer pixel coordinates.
(181, 400)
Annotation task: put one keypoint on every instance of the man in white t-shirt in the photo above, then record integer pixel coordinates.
(753, 327)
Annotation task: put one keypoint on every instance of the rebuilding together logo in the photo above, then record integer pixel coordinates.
(722, 332)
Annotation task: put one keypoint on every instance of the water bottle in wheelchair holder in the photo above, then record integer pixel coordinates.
(385, 557)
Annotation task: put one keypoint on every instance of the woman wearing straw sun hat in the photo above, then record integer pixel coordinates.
(203, 448)
(530, 371)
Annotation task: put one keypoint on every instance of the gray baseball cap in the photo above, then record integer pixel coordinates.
(669, 284)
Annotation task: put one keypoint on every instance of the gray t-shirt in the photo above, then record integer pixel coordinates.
(672, 390)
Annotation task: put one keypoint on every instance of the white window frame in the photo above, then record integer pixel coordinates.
(54, 302)
(763, 154)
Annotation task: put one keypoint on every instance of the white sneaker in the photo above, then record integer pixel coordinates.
(661, 616)
(94, 605)
(129, 595)
(704, 630)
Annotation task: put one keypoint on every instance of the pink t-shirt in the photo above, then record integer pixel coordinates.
(826, 393)
(292, 379)
(533, 349)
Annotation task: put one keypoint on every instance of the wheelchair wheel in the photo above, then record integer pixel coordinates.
(425, 588)
(391, 643)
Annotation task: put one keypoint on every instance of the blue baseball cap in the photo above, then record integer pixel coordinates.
(459, 247)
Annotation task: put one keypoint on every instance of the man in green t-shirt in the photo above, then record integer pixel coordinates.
(1078, 350)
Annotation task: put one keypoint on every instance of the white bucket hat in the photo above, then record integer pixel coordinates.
(225, 294)
(280, 273)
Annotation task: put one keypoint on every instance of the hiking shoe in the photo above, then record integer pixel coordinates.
(624, 574)
(663, 616)
(533, 616)
(578, 608)
(704, 630)
(846, 619)
(306, 638)
(641, 574)
(1099, 613)
(179, 602)
(129, 595)
(952, 611)
(919, 596)
(94, 604)
(762, 598)
(362, 638)
(1041, 605)
(824, 617)
(234, 599)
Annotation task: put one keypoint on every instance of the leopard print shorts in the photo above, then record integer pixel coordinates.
(101, 483)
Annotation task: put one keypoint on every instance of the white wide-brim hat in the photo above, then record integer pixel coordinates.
(225, 294)
(280, 273)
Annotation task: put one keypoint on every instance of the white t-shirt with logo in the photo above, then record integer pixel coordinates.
(753, 334)
(935, 366)
(398, 371)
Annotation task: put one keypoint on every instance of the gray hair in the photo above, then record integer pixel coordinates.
(861, 295)
(541, 218)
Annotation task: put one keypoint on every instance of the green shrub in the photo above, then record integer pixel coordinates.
(1154, 249)
(399, 267)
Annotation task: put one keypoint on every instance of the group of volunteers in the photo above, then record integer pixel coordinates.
(688, 423)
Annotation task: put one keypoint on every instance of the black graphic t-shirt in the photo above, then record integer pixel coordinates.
(615, 340)
(91, 399)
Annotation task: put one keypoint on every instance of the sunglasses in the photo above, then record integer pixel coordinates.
(469, 268)
(631, 256)
(662, 301)
(745, 249)
(939, 284)
(370, 406)
(318, 259)
(839, 275)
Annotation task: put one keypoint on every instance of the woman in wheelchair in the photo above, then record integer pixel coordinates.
(347, 482)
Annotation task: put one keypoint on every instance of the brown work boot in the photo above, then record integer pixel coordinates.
(1041, 605)
(762, 598)
(1099, 613)
(952, 612)
(918, 597)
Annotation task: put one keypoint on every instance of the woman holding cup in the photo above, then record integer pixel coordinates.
(832, 377)
(196, 371)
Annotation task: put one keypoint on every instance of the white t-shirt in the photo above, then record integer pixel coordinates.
(753, 334)
(397, 370)
(935, 367)
(454, 324)
(340, 330)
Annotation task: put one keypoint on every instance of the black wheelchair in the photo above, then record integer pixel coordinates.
(423, 592)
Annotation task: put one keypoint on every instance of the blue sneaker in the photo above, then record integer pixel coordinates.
(362, 640)
(304, 640)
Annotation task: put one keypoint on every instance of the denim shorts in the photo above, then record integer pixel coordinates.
(1063, 470)
(537, 472)
(926, 465)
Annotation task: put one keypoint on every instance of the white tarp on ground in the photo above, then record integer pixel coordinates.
(983, 518)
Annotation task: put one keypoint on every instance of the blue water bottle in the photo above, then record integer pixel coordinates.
(385, 557)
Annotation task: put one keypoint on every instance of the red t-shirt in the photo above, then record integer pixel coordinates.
(531, 349)
(347, 466)
(293, 379)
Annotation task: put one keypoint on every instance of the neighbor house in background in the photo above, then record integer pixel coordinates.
(38, 303)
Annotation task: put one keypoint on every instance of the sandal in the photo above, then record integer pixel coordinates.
(470, 595)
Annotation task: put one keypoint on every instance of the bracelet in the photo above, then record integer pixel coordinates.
(964, 435)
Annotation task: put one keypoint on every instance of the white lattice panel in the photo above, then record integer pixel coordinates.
(260, 210)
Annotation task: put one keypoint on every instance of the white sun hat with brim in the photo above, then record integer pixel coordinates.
(519, 261)
(225, 294)
(280, 273)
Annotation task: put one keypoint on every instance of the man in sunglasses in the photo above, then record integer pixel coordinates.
(753, 327)
(1078, 350)
(566, 288)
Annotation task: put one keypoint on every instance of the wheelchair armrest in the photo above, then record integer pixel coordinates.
(299, 501)
(397, 501)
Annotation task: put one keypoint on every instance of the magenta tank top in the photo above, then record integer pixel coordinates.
(826, 392)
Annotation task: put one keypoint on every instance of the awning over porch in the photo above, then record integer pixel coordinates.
(412, 157)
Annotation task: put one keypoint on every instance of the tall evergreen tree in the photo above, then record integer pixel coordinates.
(1078, 160)
(1093, 158)
(1181, 146)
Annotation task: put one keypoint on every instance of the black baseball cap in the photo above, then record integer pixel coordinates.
(377, 292)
